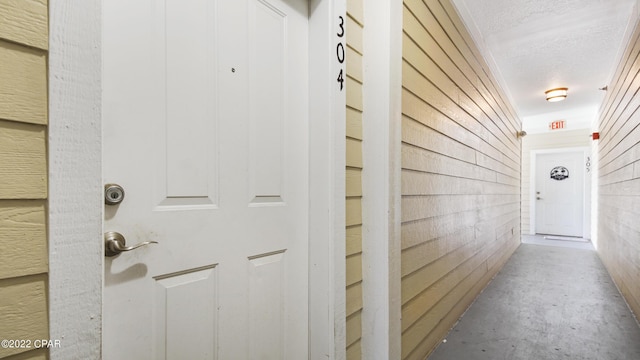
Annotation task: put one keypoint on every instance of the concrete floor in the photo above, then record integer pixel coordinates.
(552, 301)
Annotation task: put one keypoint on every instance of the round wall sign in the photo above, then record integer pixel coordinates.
(559, 173)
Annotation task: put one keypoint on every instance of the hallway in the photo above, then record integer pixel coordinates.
(553, 301)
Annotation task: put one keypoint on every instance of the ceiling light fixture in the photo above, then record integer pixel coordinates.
(557, 94)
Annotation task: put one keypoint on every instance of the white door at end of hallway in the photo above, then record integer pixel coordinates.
(206, 128)
(559, 193)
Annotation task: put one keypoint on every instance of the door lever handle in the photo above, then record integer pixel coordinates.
(115, 243)
(538, 198)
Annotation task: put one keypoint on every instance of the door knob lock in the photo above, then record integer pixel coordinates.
(113, 194)
(538, 198)
(115, 243)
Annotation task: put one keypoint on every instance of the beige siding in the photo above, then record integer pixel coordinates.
(22, 230)
(23, 83)
(24, 310)
(552, 140)
(23, 175)
(619, 176)
(460, 175)
(25, 22)
(353, 84)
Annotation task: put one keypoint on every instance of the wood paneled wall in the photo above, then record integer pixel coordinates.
(23, 175)
(553, 140)
(619, 176)
(353, 86)
(460, 174)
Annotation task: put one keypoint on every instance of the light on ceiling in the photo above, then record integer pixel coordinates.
(557, 94)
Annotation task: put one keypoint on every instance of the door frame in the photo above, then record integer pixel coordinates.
(75, 212)
(586, 187)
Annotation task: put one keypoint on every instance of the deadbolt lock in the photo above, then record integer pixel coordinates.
(113, 194)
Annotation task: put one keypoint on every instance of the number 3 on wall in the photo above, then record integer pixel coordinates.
(340, 50)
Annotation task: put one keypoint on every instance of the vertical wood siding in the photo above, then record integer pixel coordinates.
(353, 83)
(554, 140)
(619, 176)
(460, 174)
(23, 175)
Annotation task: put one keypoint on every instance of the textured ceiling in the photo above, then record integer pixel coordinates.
(537, 45)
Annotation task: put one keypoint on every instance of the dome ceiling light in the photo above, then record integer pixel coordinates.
(557, 94)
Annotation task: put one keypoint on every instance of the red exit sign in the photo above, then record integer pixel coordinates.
(560, 124)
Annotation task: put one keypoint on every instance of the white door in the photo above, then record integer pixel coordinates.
(560, 193)
(206, 129)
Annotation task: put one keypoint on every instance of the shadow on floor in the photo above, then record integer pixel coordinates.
(552, 300)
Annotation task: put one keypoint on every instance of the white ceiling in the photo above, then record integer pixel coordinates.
(537, 45)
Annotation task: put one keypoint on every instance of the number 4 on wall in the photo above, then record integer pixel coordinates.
(341, 80)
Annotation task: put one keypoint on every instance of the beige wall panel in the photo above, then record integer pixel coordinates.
(425, 90)
(414, 283)
(25, 22)
(354, 64)
(623, 69)
(354, 123)
(632, 155)
(625, 173)
(23, 309)
(417, 109)
(627, 203)
(354, 182)
(354, 87)
(490, 163)
(423, 137)
(419, 183)
(354, 240)
(418, 159)
(472, 56)
(440, 317)
(412, 311)
(354, 212)
(354, 298)
(507, 180)
(354, 352)
(355, 9)
(23, 84)
(438, 74)
(461, 174)
(626, 141)
(354, 328)
(354, 93)
(425, 253)
(354, 35)
(354, 153)
(417, 232)
(620, 115)
(619, 190)
(431, 328)
(24, 238)
(39, 354)
(627, 188)
(461, 56)
(23, 171)
(354, 269)
(421, 207)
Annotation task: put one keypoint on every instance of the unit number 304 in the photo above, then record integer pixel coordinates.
(340, 51)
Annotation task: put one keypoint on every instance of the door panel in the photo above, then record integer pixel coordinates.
(206, 128)
(560, 193)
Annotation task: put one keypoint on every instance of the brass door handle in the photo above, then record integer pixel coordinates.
(115, 243)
